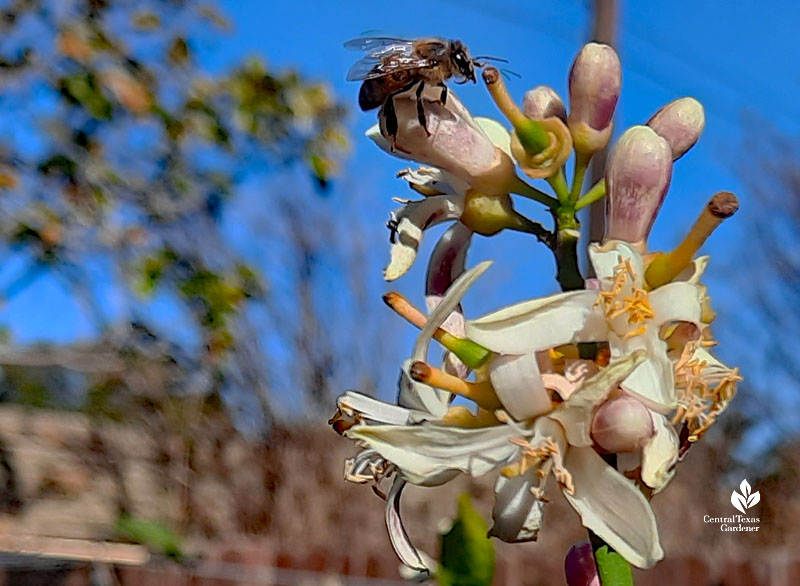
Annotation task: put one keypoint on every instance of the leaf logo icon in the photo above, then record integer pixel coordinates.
(746, 499)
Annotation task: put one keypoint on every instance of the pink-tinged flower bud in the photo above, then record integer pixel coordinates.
(622, 424)
(637, 177)
(579, 565)
(453, 142)
(594, 84)
(680, 123)
(543, 102)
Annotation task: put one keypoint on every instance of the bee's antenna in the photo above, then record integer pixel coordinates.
(490, 58)
(508, 73)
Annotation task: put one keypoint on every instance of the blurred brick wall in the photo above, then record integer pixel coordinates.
(283, 514)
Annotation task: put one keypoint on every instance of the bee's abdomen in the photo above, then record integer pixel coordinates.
(371, 95)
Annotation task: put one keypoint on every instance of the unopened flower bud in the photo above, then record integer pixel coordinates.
(453, 141)
(622, 424)
(594, 85)
(680, 123)
(638, 175)
(579, 565)
(543, 102)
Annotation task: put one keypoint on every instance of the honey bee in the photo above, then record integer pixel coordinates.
(392, 66)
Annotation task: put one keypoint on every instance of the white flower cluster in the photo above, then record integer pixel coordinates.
(601, 388)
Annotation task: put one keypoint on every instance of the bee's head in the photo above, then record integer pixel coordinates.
(462, 61)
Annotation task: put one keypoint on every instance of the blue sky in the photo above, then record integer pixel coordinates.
(732, 56)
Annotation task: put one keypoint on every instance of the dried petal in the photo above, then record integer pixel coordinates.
(418, 566)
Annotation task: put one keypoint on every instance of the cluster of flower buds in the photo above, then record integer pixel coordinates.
(603, 386)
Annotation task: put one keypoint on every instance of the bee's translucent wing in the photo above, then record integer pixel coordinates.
(370, 68)
(379, 44)
(380, 51)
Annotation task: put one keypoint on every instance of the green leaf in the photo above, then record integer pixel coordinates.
(467, 554)
(83, 89)
(613, 570)
(154, 535)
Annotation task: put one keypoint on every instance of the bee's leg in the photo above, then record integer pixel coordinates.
(443, 95)
(390, 119)
(421, 108)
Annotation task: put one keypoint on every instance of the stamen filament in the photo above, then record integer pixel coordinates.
(481, 392)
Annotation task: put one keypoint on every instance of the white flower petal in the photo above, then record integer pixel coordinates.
(417, 395)
(374, 134)
(372, 409)
(540, 323)
(434, 178)
(449, 302)
(410, 221)
(713, 371)
(677, 301)
(610, 505)
(497, 133)
(653, 381)
(429, 454)
(694, 271)
(422, 399)
(416, 562)
(660, 455)
(606, 257)
(575, 414)
(517, 513)
(519, 385)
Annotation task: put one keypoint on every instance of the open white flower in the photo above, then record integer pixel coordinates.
(622, 312)
(608, 503)
(427, 444)
(430, 453)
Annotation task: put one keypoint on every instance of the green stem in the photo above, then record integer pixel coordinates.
(559, 184)
(525, 190)
(566, 249)
(528, 226)
(597, 192)
(581, 164)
